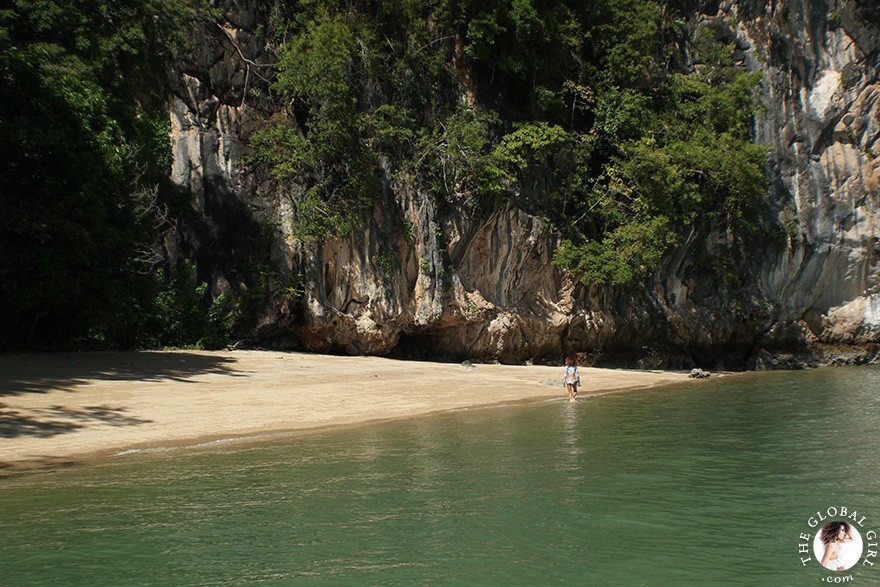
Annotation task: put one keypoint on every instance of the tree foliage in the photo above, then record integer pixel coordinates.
(317, 76)
(572, 110)
(609, 118)
(83, 142)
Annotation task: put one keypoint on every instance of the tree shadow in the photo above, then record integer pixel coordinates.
(13, 424)
(41, 373)
(46, 422)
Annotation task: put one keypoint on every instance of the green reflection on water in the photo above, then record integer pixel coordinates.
(698, 485)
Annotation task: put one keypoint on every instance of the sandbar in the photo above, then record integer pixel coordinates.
(67, 407)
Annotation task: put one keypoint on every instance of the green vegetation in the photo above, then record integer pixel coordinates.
(571, 110)
(83, 142)
(385, 261)
(834, 20)
(312, 76)
(578, 112)
(181, 319)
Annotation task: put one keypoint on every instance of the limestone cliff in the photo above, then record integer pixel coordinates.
(422, 280)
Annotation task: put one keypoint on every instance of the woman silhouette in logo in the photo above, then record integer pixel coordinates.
(833, 535)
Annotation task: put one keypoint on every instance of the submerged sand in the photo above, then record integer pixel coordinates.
(70, 406)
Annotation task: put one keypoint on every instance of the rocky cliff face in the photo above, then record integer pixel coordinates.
(821, 87)
(418, 280)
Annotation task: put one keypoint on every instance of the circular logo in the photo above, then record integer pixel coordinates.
(839, 539)
(837, 546)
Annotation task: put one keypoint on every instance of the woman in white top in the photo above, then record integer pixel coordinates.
(833, 535)
(572, 378)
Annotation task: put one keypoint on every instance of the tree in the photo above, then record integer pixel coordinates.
(78, 153)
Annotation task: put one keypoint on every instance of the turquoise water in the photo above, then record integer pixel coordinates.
(706, 484)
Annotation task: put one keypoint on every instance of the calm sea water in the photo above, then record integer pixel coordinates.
(707, 484)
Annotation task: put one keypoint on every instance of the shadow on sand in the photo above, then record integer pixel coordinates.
(42, 373)
(13, 423)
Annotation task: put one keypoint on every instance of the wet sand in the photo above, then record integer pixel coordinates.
(62, 407)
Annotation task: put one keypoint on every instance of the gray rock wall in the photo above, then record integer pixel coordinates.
(459, 287)
(820, 62)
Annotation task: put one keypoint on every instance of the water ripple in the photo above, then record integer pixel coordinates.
(702, 485)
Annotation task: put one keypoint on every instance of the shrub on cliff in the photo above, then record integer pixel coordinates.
(588, 114)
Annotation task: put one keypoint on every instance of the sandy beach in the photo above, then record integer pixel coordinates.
(57, 408)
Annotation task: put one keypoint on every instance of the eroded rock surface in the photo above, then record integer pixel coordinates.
(416, 280)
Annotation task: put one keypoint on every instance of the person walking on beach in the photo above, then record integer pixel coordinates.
(572, 378)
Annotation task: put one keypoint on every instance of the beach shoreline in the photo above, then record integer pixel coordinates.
(60, 408)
